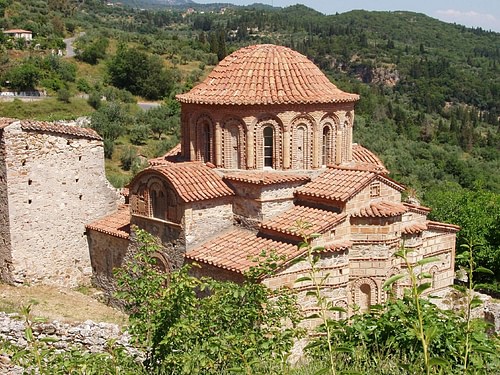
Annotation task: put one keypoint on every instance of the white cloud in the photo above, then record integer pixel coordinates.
(470, 18)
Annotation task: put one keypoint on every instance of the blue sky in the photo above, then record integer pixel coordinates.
(472, 13)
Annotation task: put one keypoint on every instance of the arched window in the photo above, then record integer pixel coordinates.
(365, 297)
(327, 146)
(301, 149)
(158, 201)
(268, 135)
(345, 140)
(232, 151)
(206, 149)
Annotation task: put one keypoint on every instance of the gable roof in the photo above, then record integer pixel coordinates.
(265, 178)
(317, 221)
(117, 224)
(266, 74)
(193, 181)
(235, 250)
(337, 184)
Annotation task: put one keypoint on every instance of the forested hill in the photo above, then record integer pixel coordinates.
(430, 91)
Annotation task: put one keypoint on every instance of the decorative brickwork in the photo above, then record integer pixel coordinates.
(267, 147)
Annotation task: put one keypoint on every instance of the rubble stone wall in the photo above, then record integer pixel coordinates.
(55, 185)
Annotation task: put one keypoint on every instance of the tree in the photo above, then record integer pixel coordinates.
(140, 73)
(24, 77)
(189, 325)
(110, 121)
(91, 51)
(477, 212)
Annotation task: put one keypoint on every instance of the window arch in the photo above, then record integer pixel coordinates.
(328, 145)
(365, 293)
(268, 146)
(158, 201)
(344, 143)
(205, 142)
(233, 144)
(300, 148)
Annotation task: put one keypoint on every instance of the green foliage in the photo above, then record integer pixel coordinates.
(477, 212)
(64, 95)
(202, 326)
(91, 49)
(110, 121)
(24, 77)
(40, 357)
(140, 73)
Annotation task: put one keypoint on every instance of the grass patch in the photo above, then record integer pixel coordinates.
(46, 109)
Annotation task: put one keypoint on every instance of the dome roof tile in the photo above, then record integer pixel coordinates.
(266, 74)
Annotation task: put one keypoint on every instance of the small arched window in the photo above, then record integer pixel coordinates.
(268, 134)
(206, 150)
(327, 146)
(158, 201)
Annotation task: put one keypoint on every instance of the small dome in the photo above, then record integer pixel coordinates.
(266, 74)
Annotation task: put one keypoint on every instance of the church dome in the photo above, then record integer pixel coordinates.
(266, 74)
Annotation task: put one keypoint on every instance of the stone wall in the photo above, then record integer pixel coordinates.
(89, 337)
(56, 184)
(5, 245)
(106, 253)
(171, 235)
(205, 219)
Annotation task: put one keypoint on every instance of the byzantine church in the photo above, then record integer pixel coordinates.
(266, 159)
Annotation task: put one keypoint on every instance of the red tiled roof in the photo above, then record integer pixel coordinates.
(364, 157)
(338, 246)
(414, 228)
(193, 181)
(51, 127)
(442, 226)
(318, 221)
(382, 209)
(116, 224)
(170, 156)
(265, 178)
(17, 31)
(266, 74)
(337, 184)
(418, 209)
(235, 250)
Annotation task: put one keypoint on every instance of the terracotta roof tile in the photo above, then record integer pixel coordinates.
(52, 127)
(116, 224)
(235, 250)
(17, 31)
(414, 228)
(170, 157)
(266, 74)
(365, 158)
(265, 178)
(442, 226)
(319, 221)
(337, 184)
(417, 208)
(193, 181)
(382, 209)
(338, 245)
